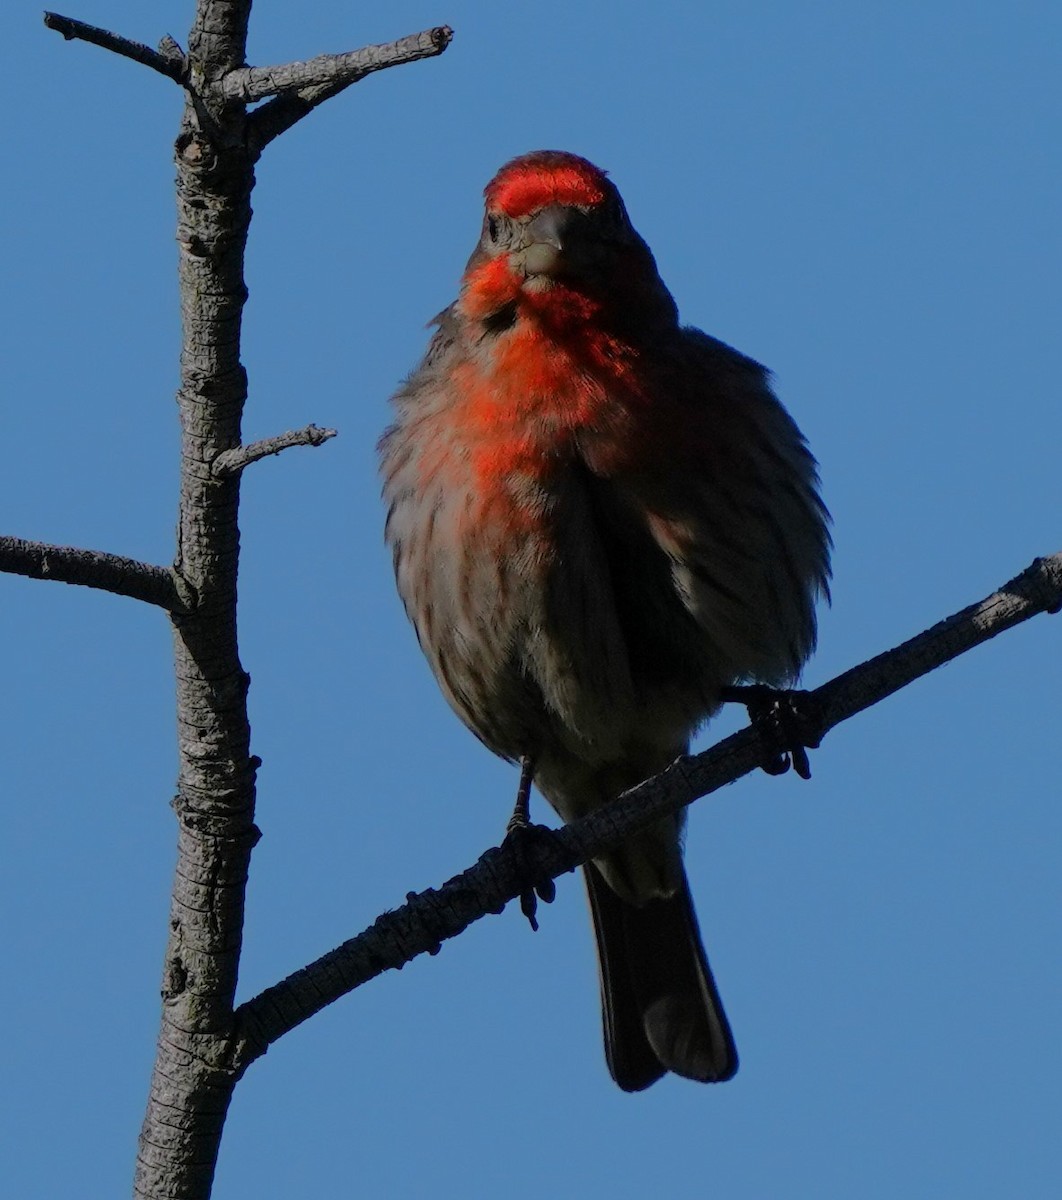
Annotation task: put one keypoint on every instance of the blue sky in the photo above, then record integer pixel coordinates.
(864, 197)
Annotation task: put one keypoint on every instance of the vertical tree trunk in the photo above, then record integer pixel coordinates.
(193, 1078)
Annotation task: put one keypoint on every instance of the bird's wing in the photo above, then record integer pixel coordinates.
(728, 491)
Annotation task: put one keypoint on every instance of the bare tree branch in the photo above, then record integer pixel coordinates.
(231, 462)
(191, 1082)
(216, 149)
(250, 84)
(93, 568)
(429, 918)
(277, 116)
(165, 64)
(327, 80)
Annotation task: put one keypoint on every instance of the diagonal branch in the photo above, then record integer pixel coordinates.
(231, 462)
(277, 116)
(300, 87)
(93, 568)
(431, 917)
(170, 65)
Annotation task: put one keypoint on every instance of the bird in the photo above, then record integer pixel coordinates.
(600, 520)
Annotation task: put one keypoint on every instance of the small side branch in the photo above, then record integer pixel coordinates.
(257, 83)
(171, 65)
(298, 88)
(429, 918)
(92, 568)
(231, 462)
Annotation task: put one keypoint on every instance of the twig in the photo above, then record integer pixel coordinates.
(231, 462)
(93, 568)
(257, 83)
(320, 79)
(429, 918)
(168, 65)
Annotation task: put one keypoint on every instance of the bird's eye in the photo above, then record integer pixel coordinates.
(492, 228)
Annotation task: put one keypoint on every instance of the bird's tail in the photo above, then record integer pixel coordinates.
(659, 1003)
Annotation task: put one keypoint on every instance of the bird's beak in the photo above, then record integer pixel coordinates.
(547, 235)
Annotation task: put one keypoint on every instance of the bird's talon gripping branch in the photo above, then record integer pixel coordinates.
(786, 719)
(546, 890)
(529, 907)
(778, 765)
(520, 837)
(522, 840)
(801, 762)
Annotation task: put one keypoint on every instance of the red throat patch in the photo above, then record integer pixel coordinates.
(489, 287)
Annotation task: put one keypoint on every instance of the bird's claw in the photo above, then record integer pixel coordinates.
(520, 838)
(787, 719)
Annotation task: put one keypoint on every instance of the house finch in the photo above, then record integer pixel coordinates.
(600, 519)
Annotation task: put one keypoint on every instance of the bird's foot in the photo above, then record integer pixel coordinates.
(789, 721)
(522, 839)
